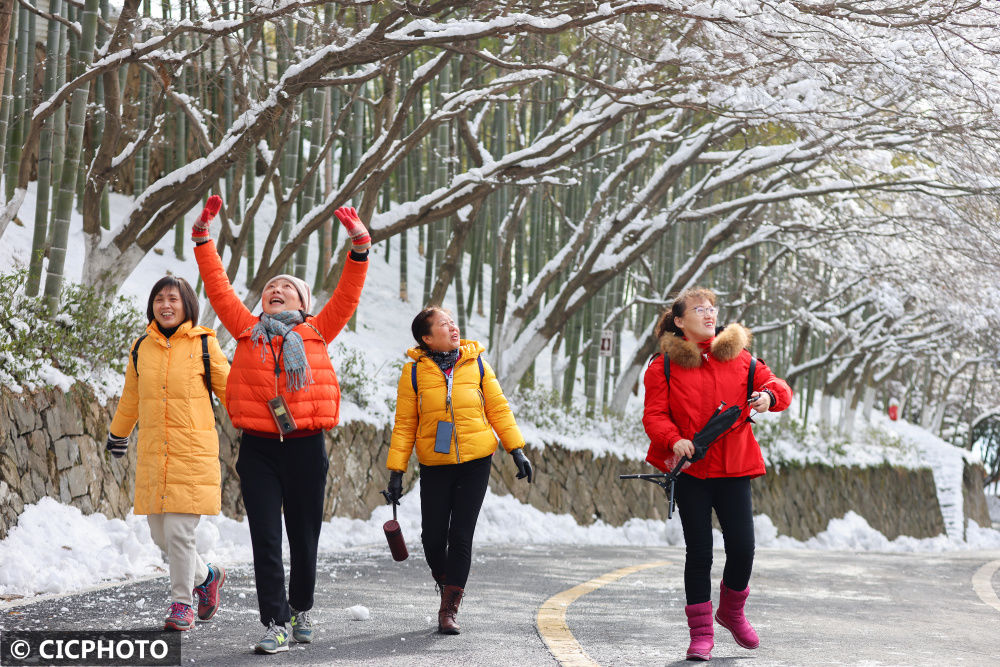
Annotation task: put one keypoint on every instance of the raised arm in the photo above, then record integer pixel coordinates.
(346, 296)
(232, 313)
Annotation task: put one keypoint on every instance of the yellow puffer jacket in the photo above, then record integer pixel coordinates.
(177, 468)
(476, 412)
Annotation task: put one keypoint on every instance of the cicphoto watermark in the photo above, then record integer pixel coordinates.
(97, 647)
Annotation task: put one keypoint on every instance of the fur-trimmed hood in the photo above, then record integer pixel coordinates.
(725, 346)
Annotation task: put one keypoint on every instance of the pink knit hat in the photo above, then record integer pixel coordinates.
(305, 294)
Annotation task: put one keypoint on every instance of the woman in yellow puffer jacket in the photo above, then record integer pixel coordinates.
(448, 406)
(177, 477)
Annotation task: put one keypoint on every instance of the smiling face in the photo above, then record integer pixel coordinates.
(698, 321)
(280, 295)
(168, 307)
(444, 334)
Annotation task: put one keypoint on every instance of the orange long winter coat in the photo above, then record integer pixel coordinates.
(477, 409)
(316, 406)
(177, 468)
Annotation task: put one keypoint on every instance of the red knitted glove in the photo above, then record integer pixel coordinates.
(199, 232)
(355, 228)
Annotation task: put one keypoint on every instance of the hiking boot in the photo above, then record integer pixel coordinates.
(451, 597)
(275, 640)
(302, 627)
(208, 592)
(181, 617)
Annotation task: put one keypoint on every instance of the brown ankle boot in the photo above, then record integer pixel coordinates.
(451, 597)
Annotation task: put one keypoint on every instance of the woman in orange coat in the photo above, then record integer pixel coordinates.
(708, 366)
(449, 405)
(283, 394)
(177, 475)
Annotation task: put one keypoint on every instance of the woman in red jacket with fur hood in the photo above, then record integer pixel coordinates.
(708, 367)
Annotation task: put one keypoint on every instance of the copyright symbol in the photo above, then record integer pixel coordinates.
(20, 649)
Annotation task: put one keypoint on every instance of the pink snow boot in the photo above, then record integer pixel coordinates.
(700, 624)
(730, 616)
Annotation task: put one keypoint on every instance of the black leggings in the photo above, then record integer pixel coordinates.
(730, 496)
(450, 499)
(289, 476)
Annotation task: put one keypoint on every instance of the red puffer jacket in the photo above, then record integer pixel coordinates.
(701, 376)
(316, 406)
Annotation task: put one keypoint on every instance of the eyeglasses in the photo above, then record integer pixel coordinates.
(702, 311)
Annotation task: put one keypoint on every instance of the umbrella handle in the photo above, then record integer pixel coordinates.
(680, 464)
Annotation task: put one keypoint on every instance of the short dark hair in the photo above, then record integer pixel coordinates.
(422, 324)
(678, 307)
(188, 297)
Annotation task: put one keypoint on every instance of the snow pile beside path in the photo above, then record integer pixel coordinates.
(54, 548)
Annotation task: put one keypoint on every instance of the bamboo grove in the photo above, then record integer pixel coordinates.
(563, 167)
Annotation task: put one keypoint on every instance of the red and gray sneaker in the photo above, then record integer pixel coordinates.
(208, 592)
(181, 617)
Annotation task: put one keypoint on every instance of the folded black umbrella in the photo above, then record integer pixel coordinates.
(721, 421)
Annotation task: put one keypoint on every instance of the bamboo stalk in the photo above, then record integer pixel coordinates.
(44, 159)
(64, 204)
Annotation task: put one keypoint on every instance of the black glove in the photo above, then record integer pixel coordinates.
(395, 489)
(521, 461)
(117, 446)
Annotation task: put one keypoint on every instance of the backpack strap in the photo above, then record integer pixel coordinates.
(666, 368)
(413, 374)
(206, 359)
(135, 353)
(753, 366)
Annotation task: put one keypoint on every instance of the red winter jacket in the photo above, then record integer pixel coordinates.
(702, 375)
(251, 383)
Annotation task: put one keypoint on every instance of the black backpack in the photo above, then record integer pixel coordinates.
(205, 359)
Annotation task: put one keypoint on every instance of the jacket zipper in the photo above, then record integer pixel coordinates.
(451, 406)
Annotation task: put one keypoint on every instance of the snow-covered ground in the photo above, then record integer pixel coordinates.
(56, 549)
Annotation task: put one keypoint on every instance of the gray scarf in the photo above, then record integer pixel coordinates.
(293, 349)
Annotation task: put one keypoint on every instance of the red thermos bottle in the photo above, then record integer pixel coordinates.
(394, 536)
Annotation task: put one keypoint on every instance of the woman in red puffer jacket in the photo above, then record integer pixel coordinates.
(708, 367)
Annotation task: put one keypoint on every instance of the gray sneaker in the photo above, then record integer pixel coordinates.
(275, 640)
(302, 627)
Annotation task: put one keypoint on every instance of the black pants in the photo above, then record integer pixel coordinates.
(450, 499)
(289, 475)
(730, 496)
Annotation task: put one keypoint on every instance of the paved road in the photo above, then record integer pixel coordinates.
(810, 608)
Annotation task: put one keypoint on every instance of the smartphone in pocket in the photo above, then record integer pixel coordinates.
(442, 439)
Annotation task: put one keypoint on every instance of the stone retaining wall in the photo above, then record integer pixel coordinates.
(52, 444)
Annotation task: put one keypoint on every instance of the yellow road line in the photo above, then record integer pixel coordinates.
(982, 583)
(551, 618)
